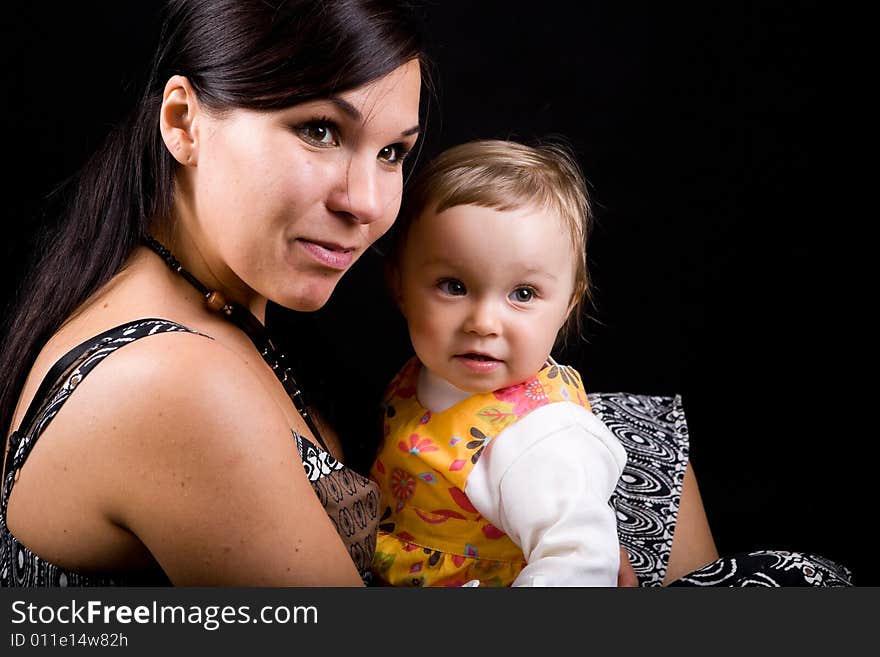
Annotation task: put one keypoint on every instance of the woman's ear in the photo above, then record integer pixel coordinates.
(177, 120)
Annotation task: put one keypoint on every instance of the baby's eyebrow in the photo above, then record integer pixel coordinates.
(537, 271)
(522, 274)
(440, 260)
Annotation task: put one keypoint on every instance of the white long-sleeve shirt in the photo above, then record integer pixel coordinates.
(545, 481)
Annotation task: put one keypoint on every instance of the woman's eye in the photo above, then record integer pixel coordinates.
(452, 287)
(319, 133)
(522, 294)
(393, 154)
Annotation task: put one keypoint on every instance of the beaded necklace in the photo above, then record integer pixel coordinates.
(251, 326)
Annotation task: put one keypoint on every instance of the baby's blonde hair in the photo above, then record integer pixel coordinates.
(508, 175)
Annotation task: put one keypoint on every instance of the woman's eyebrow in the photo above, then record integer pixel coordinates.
(355, 114)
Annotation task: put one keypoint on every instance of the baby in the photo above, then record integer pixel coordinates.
(493, 467)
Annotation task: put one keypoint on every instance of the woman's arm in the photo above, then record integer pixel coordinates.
(692, 543)
(626, 574)
(208, 475)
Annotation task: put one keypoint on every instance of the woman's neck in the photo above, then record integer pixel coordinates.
(209, 271)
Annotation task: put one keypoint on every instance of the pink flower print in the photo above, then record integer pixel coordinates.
(535, 391)
(417, 445)
(428, 477)
(403, 485)
(525, 396)
(457, 464)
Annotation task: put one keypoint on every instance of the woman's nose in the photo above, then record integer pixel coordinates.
(359, 194)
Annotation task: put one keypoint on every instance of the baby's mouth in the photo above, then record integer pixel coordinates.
(473, 356)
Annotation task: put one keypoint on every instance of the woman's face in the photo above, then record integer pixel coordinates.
(280, 204)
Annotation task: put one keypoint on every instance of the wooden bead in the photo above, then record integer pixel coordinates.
(215, 301)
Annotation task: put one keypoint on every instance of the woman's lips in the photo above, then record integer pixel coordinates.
(478, 362)
(328, 254)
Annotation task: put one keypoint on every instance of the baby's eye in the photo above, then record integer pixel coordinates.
(394, 154)
(319, 133)
(452, 287)
(522, 294)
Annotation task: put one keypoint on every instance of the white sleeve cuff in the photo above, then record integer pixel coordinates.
(546, 481)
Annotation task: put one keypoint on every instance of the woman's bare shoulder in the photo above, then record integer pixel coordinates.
(163, 382)
(206, 472)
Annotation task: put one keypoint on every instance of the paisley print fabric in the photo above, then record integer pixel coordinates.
(654, 433)
(769, 568)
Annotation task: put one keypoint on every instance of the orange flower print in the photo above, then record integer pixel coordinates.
(417, 445)
(403, 485)
(525, 396)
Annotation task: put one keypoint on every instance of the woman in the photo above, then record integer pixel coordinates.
(265, 156)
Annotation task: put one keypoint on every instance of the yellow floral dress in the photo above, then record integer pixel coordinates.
(430, 534)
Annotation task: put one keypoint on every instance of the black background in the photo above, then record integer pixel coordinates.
(700, 130)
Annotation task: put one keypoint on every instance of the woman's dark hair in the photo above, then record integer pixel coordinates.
(253, 54)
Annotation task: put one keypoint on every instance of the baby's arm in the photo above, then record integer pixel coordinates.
(546, 481)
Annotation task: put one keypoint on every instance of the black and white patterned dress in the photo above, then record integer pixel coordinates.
(654, 432)
(351, 500)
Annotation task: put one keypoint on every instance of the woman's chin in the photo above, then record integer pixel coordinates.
(307, 301)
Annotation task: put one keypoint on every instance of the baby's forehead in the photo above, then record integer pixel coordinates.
(530, 233)
(465, 221)
(513, 209)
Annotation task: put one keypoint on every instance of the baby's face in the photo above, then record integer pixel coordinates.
(485, 292)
